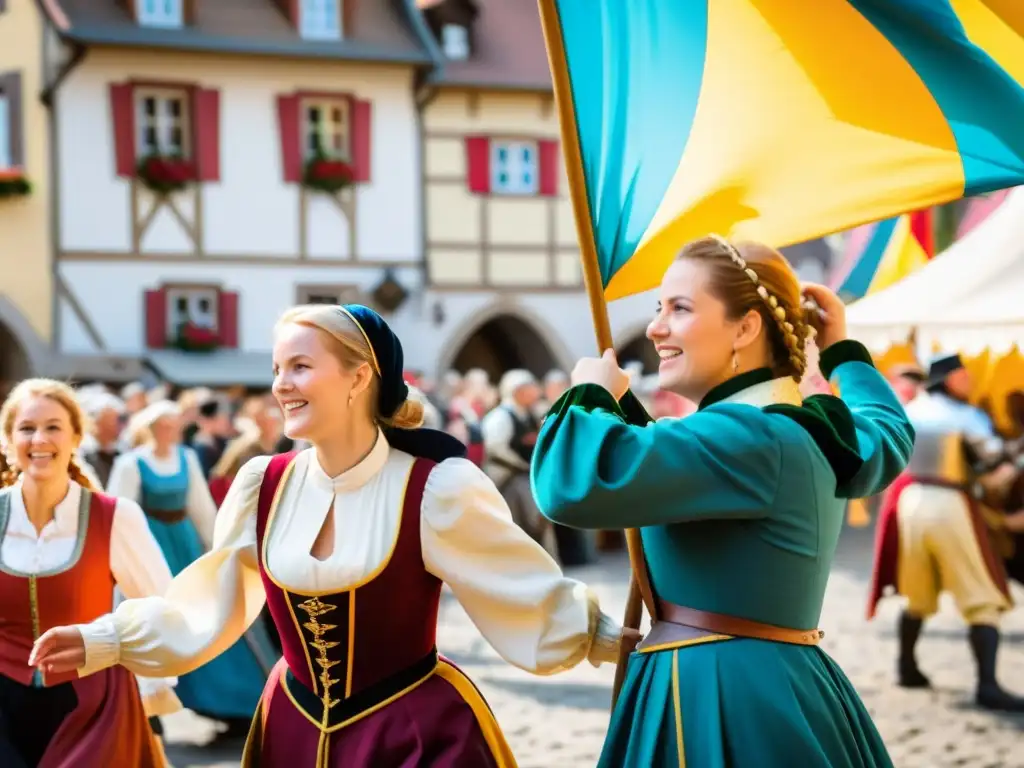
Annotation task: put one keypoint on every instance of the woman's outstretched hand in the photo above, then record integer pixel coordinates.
(831, 321)
(58, 650)
(603, 371)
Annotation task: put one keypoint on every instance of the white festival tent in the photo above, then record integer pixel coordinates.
(968, 299)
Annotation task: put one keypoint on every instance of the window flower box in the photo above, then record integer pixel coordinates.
(13, 183)
(165, 174)
(195, 338)
(324, 174)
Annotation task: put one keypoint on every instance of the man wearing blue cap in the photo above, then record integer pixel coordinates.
(932, 533)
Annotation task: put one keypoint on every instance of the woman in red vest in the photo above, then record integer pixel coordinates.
(63, 549)
(349, 543)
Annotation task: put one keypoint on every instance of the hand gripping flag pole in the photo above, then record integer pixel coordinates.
(639, 584)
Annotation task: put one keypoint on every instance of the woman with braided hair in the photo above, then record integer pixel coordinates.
(739, 505)
(63, 548)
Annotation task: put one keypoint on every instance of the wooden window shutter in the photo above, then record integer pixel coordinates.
(288, 132)
(362, 139)
(290, 9)
(548, 168)
(122, 109)
(227, 318)
(206, 154)
(156, 319)
(478, 162)
(10, 85)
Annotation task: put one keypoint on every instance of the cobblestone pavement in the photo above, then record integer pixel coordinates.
(559, 722)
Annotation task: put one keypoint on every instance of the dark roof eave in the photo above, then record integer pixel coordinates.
(474, 84)
(301, 49)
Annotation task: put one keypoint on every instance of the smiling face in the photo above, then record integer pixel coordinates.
(314, 390)
(693, 334)
(42, 438)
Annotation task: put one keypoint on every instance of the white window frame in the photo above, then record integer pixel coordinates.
(193, 295)
(455, 40)
(328, 129)
(163, 13)
(163, 122)
(314, 21)
(521, 171)
(5, 131)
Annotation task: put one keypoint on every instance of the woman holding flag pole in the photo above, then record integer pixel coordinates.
(740, 507)
(663, 143)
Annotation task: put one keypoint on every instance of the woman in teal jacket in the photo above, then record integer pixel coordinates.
(740, 507)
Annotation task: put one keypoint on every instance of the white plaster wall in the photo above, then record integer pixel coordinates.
(562, 320)
(113, 295)
(251, 211)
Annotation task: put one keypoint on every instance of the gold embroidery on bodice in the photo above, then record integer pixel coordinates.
(316, 608)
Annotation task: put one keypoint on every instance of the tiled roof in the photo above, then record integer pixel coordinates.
(508, 49)
(382, 30)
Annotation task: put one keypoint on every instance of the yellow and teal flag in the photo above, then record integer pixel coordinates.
(771, 120)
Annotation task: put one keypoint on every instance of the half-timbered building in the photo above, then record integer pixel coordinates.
(501, 250)
(216, 162)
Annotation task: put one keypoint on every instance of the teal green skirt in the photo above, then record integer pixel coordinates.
(743, 704)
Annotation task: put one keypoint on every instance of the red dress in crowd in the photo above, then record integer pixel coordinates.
(78, 722)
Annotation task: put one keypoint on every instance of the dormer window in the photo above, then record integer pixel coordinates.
(455, 39)
(160, 13)
(320, 19)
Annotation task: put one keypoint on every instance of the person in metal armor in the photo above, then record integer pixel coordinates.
(934, 535)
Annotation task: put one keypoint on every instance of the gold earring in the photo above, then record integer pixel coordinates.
(735, 362)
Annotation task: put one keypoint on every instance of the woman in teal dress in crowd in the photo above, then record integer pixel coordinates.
(740, 507)
(166, 479)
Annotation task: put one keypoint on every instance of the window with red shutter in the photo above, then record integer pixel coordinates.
(156, 319)
(478, 163)
(362, 139)
(206, 126)
(227, 321)
(515, 167)
(122, 110)
(549, 168)
(288, 133)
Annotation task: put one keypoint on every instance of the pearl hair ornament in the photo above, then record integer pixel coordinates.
(797, 354)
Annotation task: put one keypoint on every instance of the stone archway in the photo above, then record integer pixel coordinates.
(501, 343)
(639, 349)
(14, 361)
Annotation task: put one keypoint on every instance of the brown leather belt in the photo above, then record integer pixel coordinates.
(680, 625)
(167, 516)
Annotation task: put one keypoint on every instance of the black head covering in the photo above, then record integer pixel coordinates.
(389, 365)
(940, 367)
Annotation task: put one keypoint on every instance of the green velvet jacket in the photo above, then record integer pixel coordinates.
(741, 503)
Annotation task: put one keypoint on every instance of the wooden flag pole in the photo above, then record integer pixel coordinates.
(639, 587)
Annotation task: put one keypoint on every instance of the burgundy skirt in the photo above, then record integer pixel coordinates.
(437, 721)
(106, 725)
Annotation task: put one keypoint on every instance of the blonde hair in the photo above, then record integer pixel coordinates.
(348, 344)
(59, 393)
(237, 452)
(752, 276)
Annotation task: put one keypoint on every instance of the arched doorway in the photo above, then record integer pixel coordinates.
(640, 349)
(14, 363)
(503, 343)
